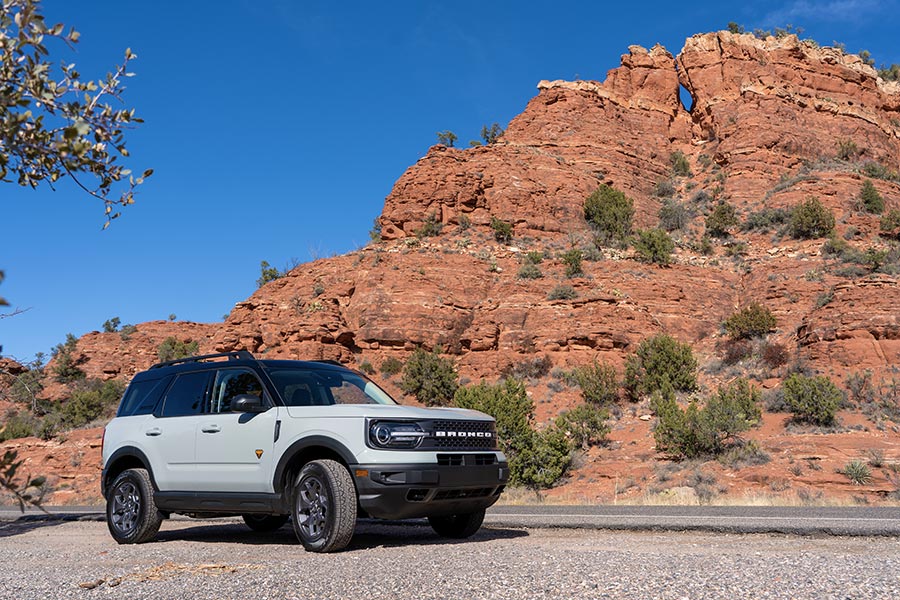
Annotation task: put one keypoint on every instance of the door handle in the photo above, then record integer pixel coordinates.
(210, 429)
(153, 432)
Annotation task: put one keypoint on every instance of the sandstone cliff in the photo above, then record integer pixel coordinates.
(766, 128)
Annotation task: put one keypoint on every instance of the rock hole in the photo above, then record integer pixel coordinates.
(687, 100)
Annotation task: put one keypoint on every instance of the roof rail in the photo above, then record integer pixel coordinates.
(239, 355)
(329, 361)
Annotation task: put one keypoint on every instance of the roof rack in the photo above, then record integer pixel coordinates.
(239, 355)
(329, 361)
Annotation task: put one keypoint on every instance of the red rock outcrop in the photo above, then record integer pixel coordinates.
(767, 121)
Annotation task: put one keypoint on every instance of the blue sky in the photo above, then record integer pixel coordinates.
(277, 128)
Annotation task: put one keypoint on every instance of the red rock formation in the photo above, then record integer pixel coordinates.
(767, 120)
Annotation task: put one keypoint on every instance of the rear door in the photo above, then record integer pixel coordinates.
(234, 450)
(169, 436)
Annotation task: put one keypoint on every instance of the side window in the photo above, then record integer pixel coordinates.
(231, 383)
(186, 395)
(141, 397)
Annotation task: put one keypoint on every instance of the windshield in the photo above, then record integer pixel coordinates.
(322, 387)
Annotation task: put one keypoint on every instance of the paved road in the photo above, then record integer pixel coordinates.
(224, 560)
(856, 521)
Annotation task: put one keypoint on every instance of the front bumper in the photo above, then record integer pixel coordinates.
(409, 491)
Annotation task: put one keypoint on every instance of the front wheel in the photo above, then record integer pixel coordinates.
(457, 526)
(131, 514)
(324, 507)
(265, 523)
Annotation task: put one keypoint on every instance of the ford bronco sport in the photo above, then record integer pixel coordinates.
(276, 440)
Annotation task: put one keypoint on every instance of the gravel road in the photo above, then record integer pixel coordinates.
(223, 560)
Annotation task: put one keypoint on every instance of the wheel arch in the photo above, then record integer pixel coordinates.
(307, 449)
(127, 457)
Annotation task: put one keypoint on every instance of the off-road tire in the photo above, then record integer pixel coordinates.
(324, 506)
(265, 523)
(457, 526)
(131, 513)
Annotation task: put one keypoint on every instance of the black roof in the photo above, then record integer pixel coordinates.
(241, 358)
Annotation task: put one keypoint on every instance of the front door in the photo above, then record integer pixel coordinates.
(234, 450)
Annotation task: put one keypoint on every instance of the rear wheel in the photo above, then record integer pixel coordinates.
(457, 526)
(131, 514)
(324, 506)
(265, 522)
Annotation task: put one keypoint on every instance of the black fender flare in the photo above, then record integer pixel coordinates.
(303, 444)
(126, 452)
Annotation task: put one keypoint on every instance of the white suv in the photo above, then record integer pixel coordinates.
(273, 440)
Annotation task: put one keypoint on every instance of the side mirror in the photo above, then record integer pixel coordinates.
(247, 403)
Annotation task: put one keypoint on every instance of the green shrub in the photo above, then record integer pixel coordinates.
(705, 246)
(673, 215)
(562, 292)
(267, 273)
(431, 227)
(754, 320)
(92, 400)
(429, 377)
(391, 366)
(545, 460)
(879, 171)
(812, 399)
(766, 219)
(572, 260)
(585, 425)
(599, 383)
(810, 219)
(446, 138)
(172, 348)
(857, 472)
(890, 223)
(530, 271)
(660, 360)
(891, 73)
(680, 165)
(18, 424)
(535, 257)
(696, 431)
(535, 459)
(111, 325)
(748, 454)
(654, 246)
(870, 199)
(491, 134)
(721, 220)
(664, 189)
(366, 367)
(611, 213)
(502, 230)
(127, 331)
(65, 368)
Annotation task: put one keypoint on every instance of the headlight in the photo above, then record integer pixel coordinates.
(392, 434)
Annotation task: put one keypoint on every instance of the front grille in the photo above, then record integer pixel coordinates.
(466, 460)
(459, 435)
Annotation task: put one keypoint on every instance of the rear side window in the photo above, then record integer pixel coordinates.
(141, 397)
(186, 395)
